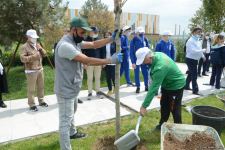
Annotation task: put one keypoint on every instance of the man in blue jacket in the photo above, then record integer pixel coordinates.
(139, 41)
(166, 46)
(124, 35)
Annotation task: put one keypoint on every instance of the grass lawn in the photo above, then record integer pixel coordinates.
(18, 84)
(150, 138)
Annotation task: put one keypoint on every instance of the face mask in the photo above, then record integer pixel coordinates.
(95, 35)
(141, 34)
(196, 37)
(33, 40)
(77, 39)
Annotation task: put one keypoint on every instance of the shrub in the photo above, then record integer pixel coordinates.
(180, 55)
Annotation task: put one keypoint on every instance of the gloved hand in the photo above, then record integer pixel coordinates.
(113, 37)
(117, 58)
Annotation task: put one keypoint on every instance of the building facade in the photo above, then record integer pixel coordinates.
(148, 21)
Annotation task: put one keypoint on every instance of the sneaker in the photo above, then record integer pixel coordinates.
(2, 104)
(43, 104)
(146, 88)
(34, 108)
(109, 93)
(79, 101)
(138, 90)
(89, 96)
(78, 135)
(99, 95)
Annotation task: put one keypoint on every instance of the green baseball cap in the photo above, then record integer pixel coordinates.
(81, 23)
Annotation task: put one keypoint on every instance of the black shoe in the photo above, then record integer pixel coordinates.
(2, 104)
(205, 74)
(130, 84)
(43, 104)
(158, 127)
(146, 88)
(89, 96)
(187, 88)
(138, 90)
(199, 75)
(79, 101)
(196, 93)
(78, 135)
(33, 108)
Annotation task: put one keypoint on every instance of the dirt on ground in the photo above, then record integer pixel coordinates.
(107, 143)
(198, 141)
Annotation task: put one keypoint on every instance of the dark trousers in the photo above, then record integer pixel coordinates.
(216, 75)
(192, 74)
(0, 96)
(203, 64)
(110, 76)
(171, 102)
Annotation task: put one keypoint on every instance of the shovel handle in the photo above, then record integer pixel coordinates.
(138, 124)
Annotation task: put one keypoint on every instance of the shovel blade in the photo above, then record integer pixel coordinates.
(127, 141)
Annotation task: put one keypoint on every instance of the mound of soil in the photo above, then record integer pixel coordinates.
(198, 141)
(107, 143)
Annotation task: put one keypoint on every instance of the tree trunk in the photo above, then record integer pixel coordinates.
(117, 11)
(14, 55)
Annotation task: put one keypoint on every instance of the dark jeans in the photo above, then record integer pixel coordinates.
(171, 102)
(0, 96)
(216, 75)
(110, 76)
(204, 64)
(192, 74)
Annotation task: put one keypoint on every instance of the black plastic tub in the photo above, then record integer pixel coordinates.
(209, 116)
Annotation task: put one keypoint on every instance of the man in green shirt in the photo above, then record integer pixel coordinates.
(163, 72)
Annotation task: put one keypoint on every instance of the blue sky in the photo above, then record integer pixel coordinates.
(171, 12)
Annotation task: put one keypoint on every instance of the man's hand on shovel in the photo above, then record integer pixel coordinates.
(143, 111)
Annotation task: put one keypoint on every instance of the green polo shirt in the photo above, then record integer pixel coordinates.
(164, 72)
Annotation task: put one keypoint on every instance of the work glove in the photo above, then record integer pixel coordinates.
(117, 58)
(113, 37)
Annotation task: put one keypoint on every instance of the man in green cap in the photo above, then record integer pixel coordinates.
(163, 72)
(69, 62)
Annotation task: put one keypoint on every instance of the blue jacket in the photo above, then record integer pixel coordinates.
(136, 43)
(124, 46)
(167, 48)
(217, 55)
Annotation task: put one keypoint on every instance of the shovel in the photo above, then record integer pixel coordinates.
(129, 140)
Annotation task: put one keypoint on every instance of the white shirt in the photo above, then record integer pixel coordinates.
(208, 47)
(194, 49)
(108, 53)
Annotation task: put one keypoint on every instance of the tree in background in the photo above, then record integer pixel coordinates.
(215, 14)
(210, 16)
(17, 16)
(199, 20)
(98, 15)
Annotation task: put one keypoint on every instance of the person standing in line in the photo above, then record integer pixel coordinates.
(125, 67)
(205, 64)
(69, 62)
(137, 42)
(31, 54)
(194, 52)
(93, 71)
(217, 55)
(110, 49)
(166, 46)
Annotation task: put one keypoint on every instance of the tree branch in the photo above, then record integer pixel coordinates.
(124, 1)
